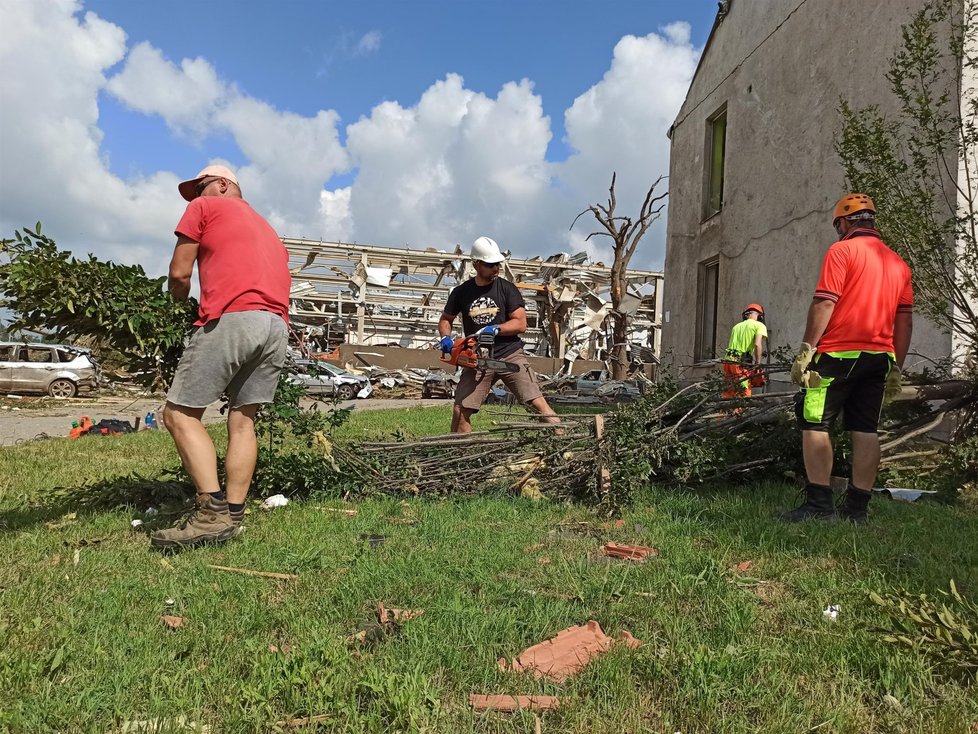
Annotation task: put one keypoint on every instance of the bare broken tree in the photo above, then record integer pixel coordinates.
(626, 235)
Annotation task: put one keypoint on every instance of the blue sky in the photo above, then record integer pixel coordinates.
(423, 123)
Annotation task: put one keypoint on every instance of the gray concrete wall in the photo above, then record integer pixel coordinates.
(782, 87)
(396, 358)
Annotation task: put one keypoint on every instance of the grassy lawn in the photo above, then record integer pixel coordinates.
(84, 648)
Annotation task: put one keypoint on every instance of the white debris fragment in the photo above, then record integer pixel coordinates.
(831, 612)
(276, 500)
(151, 512)
(136, 523)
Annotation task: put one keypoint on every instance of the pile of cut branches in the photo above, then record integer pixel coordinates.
(672, 436)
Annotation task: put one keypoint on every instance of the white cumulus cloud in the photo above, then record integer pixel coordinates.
(186, 97)
(54, 66)
(435, 171)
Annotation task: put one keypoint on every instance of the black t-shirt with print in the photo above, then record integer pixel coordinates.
(481, 305)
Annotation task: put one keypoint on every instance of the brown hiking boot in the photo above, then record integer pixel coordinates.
(209, 522)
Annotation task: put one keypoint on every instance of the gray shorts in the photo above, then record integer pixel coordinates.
(240, 353)
(474, 385)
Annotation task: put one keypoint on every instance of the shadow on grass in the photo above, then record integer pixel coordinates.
(132, 491)
(922, 544)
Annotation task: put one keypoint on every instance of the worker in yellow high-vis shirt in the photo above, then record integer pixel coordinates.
(743, 355)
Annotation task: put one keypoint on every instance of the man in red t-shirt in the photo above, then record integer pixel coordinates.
(860, 322)
(237, 348)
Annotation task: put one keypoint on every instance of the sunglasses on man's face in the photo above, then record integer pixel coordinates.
(488, 265)
(204, 184)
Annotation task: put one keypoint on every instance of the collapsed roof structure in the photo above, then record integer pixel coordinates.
(384, 296)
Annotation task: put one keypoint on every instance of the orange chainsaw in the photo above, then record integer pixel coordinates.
(476, 352)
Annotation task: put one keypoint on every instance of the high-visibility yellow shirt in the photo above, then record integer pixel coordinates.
(743, 336)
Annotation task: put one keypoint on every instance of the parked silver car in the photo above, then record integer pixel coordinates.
(56, 369)
(322, 378)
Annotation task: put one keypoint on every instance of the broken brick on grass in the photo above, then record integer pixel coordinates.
(567, 652)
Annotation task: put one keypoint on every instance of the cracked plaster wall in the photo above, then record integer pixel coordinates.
(782, 175)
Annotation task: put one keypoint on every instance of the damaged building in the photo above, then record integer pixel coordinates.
(754, 173)
(392, 297)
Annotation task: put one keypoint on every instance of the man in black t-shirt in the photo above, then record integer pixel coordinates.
(490, 304)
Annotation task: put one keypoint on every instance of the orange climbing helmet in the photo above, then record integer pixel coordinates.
(853, 204)
(754, 307)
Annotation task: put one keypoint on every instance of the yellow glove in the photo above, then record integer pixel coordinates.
(894, 380)
(800, 374)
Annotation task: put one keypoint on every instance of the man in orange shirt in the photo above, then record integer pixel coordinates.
(860, 322)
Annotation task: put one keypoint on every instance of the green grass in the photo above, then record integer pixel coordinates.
(84, 649)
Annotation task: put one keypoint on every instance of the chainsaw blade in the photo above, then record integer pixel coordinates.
(497, 365)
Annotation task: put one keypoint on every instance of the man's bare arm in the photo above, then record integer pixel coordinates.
(758, 348)
(902, 331)
(445, 324)
(819, 314)
(516, 324)
(182, 267)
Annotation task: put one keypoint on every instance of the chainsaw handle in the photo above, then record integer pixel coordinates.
(463, 353)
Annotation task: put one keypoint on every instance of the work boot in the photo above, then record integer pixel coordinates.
(210, 522)
(817, 506)
(854, 506)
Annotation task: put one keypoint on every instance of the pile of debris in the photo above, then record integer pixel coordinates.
(594, 387)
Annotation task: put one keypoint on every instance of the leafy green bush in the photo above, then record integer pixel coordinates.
(295, 452)
(113, 306)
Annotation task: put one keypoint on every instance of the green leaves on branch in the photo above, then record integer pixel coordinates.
(113, 307)
(946, 629)
(919, 164)
(295, 451)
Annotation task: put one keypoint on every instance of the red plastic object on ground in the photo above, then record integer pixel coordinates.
(81, 427)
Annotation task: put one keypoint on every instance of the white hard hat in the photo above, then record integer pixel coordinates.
(486, 250)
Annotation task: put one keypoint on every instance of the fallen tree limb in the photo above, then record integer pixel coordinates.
(742, 467)
(909, 455)
(929, 426)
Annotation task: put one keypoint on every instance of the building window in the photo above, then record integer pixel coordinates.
(716, 141)
(707, 288)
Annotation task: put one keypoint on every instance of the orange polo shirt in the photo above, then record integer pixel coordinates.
(868, 283)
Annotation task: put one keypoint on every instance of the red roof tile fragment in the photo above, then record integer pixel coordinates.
(629, 552)
(565, 654)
